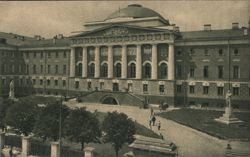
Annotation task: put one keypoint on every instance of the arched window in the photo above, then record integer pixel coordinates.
(163, 71)
(104, 70)
(147, 70)
(118, 70)
(79, 69)
(132, 70)
(92, 70)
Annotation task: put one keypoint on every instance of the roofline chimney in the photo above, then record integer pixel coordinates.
(235, 25)
(207, 27)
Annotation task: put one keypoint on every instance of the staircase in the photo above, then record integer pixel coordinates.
(123, 98)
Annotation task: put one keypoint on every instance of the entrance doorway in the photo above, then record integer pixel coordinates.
(110, 100)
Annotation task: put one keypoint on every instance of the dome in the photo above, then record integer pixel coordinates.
(134, 11)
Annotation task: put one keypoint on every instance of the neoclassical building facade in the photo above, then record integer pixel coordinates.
(131, 55)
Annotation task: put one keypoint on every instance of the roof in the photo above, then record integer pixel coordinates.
(15, 39)
(135, 11)
(223, 33)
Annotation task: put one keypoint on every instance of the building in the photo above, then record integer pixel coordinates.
(137, 52)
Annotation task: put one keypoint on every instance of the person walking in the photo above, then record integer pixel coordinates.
(150, 121)
(11, 152)
(153, 120)
(159, 125)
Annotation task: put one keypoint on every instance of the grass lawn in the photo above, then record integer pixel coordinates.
(39, 99)
(203, 120)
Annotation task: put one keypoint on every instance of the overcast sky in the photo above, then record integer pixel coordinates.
(51, 18)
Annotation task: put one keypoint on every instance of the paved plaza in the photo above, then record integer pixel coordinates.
(190, 142)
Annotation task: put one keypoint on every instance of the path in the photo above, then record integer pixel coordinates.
(191, 143)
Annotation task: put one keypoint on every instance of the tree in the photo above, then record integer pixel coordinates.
(21, 116)
(47, 123)
(82, 126)
(4, 105)
(119, 130)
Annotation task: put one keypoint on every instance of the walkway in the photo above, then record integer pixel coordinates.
(191, 143)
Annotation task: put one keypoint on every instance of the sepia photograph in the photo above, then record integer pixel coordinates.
(120, 78)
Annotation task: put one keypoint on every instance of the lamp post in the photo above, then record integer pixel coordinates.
(60, 125)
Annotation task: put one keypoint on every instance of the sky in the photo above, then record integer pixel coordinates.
(50, 18)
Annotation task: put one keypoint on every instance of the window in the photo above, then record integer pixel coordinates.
(76, 84)
(12, 54)
(21, 82)
(27, 81)
(236, 91)
(27, 69)
(64, 83)
(89, 85)
(41, 69)
(20, 67)
(3, 68)
(92, 70)
(205, 72)
(64, 54)
(27, 55)
(220, 91)
(64, 69)
(48, 69)
(163, 70)
(145, 88)
(236, 72)
(57, 54)
(191, 72)
(236, 52)
(191, 89)
(12, 68)
(34, 81)
(41, 54)
(48, 82)
(49, 55)
(147, 70)
(104, 70)
(206, 53)
(115, 87)
(34, 69)
(221, 53)
(179, 88)
(118, 69)
(191, 52)
(161, 89)
(179, 52)
(179, 71)
(205, 89)
(56, 69)
(56, 82)
(101, 85)
(41, 82)
(34, 54)
(132, 70)
(3, 81)
(79, 69)
(220, 71)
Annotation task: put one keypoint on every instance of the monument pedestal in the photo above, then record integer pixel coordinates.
(228, 117)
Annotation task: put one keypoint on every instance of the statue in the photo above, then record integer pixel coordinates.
(228, 98)
(11, 93)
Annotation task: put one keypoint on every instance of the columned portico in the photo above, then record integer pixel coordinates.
(124, 61)
(72, 62)
(171, 62)
(154, 62)
(84, 62)
(97, 62)
(110, 62)
(138, 62)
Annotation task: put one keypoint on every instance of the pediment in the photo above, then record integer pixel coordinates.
(119, 31)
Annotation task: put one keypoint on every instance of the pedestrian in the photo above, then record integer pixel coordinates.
(161, 136)
(153, 120)
(159, 125)
(150, 122)
(11, 152)
(152, 111)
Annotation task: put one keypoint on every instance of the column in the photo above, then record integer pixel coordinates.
(55, 152)
(110, 62)
(124, 61)
(72, 62)
(97, 62)
(84, 62)
(89, 152)
(171, 62)
(154, 62)
(25, 146)
(138, 62)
